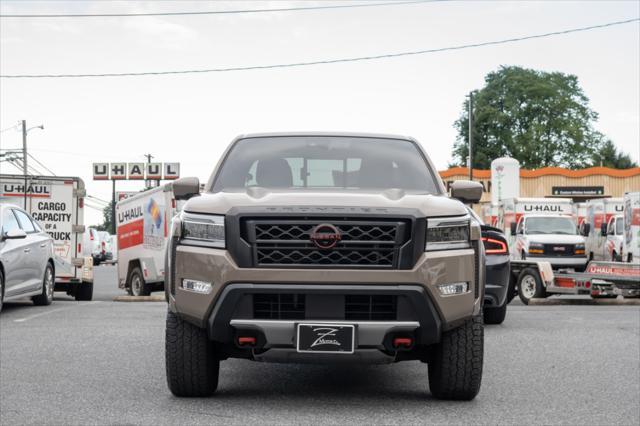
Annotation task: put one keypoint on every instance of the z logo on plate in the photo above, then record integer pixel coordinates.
(324, 332)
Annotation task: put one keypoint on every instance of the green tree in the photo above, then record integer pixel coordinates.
(539, 118)
(608, 156)
(107, 221)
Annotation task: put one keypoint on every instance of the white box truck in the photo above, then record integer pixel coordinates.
(143, 222)
(57, 203)
(631, 228)
(580, 211)
(544, 230)
(601, 214)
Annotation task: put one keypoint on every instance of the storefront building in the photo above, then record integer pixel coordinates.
(580, 185)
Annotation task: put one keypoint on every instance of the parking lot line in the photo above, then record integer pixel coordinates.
(30, 317)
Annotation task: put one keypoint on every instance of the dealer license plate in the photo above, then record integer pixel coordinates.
(326, 338)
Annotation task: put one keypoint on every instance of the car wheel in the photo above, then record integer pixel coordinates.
(455, 368)
(137, 285)
(495, 314)
(530, 286)
(48, 282)
(84, 291)
(191, 365)
(1, 289)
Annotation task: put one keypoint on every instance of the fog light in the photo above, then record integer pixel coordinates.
(197, 286)
(453, 288)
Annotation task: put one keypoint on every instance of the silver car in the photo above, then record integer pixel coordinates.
(26, 258)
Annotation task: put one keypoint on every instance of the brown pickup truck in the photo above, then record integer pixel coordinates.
(323, 247)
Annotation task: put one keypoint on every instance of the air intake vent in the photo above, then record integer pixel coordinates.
(371, 307)
(278, 306)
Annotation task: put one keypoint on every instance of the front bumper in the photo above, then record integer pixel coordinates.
(559, 262)
(216, 266)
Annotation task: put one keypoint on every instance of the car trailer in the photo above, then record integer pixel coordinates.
(600, 280)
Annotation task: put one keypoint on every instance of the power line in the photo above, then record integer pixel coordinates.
(42, 165)
(10, 128)
(219, 12)
(331, 61)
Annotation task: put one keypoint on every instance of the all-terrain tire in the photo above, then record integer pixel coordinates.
(191, 363)
(455, 368)
(84, 292)
(48, 283)
(495, 314)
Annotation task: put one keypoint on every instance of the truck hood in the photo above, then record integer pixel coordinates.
(382, 202)
(555, 239)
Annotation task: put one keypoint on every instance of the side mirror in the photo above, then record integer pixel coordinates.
(603, 229)
(185, 188)
(466, 191)
(14, 234)
(586, 227)
(513, 228)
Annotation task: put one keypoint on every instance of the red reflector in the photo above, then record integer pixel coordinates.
(173, 203)
(81, 202)
(248, 340)
(565, 282)
(587, 284)
(493, 246)
(79, 248)
(402, 341)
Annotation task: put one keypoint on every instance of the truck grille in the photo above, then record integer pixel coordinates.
(357, 307)
(362, 243)
(370, 307)
(559, 249)
(278, 306)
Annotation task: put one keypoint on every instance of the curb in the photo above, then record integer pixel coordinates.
(588, 302)
(156, 298)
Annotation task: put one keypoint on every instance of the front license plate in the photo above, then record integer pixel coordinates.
(326, 338)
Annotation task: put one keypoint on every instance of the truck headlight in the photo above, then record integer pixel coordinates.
(579, 249)
(203, 229)
(448, 233)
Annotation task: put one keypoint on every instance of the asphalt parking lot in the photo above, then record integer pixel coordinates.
(102, 362)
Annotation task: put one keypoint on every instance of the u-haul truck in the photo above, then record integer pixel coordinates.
(143, 222)
(489, 214)
(544, 230)
(601, 218)
(631, 228)
(57, 203)
(580, 211)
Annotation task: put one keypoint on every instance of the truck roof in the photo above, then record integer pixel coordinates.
(327, 134)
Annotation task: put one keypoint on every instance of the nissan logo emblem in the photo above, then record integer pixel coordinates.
(325, 236)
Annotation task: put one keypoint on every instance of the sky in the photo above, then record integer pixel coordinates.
(191, 118)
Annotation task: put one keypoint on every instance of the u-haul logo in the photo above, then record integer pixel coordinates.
(34, 190)
(542, 208)
(130, 214)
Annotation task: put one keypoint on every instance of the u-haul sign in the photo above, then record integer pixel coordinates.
(136, 171)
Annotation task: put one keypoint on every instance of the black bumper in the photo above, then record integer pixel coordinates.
(497, 271)
(236, 302)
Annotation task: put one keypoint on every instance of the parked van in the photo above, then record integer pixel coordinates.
(600, 213)
(543, 229)
(631, 228)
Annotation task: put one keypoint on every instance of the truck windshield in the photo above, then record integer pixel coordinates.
(325, 162)
(550, 225)
(619, 226)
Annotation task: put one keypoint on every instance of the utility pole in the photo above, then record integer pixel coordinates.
(113, 207)
(471, 135)
(149, 183)
(24, 160)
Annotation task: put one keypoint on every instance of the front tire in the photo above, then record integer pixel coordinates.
(84, 291)
(48, 283)
(495, 315)
(530, 286)
(455, 369)
(191, 363)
